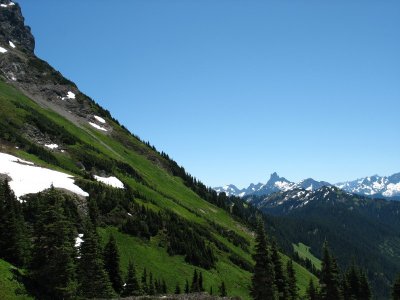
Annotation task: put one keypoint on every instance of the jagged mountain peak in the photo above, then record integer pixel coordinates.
(13, 29)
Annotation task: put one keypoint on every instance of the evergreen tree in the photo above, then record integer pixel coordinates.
(111, 264)
(201, 287)
(222, 290)
(93, 278)
(187, 290)
(195, 283)
(14, 238)
(177, 289)
(144, 282)
(211, 291)
(93, 212)
(312, 293)
(280, 278)
(151, 285)
(164, 287)
(396, 289)
(329, 278)
(52, 268)
(263, 280)
(131, 287)
(365, 289)
(292, 285)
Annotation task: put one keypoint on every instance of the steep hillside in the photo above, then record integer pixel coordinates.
(49, 124)
(357, 228)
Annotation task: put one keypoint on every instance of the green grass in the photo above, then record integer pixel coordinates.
(10, 289)
(304, 252)
(165, 192)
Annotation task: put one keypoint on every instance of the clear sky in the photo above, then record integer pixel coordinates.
(234, 90)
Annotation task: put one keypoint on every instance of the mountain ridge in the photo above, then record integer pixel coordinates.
(376, 186)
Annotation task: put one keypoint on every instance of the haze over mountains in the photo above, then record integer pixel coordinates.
(372, 186)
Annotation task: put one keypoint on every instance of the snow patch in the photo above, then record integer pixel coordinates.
(11, 44)
(27, 178)
(7, 5)
(2, 50)
(100, 119)
(97, 126)
(112, 181)
(51, 146)
(78, 240)
(392, 189)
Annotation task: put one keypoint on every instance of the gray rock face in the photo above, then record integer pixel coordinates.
(12, 27)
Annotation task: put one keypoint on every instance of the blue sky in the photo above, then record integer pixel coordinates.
(235, 90)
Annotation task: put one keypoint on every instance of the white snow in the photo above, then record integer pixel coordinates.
(11, 44)
(100, 119)
(51, 146)
(78, 240)
(7, 5)
(112, 181)
(71, 95)
(27, 178)
(392, 189)
(97, 126)
(2, 50)
(283, 186)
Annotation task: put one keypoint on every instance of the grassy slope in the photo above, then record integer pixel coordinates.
(9, 287)
(304, 252)
(166, 191)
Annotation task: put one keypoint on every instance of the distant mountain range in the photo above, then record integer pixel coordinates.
(373, 186)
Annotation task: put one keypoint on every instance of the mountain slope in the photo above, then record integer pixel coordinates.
(47, 121)
(356, 227)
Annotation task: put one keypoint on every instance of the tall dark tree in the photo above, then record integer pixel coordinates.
(329, 278)
(311, 293)
(93, 278)
(14, 238)
(201, 287)
(293, 292)
(222, 290)
(52, 268)
(187, 288)
(111, 264)
(152, 290)
(145, 287)
(396, 289)
(195, 288)
(164, 287)
(365, 289)
(131, 287)
(280, 278)
(177, 289)
(263, 280)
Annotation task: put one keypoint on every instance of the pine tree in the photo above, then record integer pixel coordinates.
(177, 289)
(222, 289)
(365, 289)
(151, 285)
(93, 212)
(292, 285)
(131, 287)
(187, 290)
(329, 278)
(14, 238)
(312, 293)
(111, 264)
(263, 280)
(195, 283)
(93, 278)
(211, 291)
(164, 287)
(396, 289)
(201, 287)
(145, 287)
(52, 268)
(280, 278)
